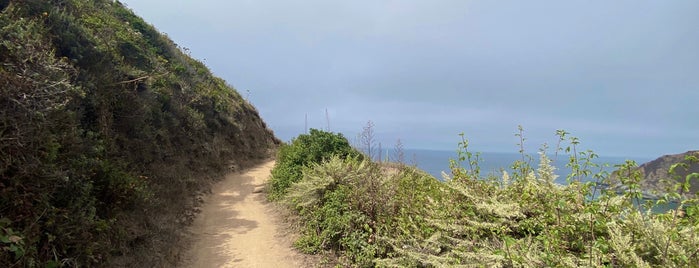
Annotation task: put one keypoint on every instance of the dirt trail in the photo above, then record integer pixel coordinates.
(238, 227)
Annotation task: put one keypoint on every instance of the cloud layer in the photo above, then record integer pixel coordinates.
(621, 75)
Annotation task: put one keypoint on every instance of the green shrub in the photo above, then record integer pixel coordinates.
(369, 215)
(303, 151)
(327, 201)
(528, 221)
(346, 205)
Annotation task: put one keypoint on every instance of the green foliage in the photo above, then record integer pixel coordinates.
(527, 220)
(373, 216)
(12, 242)
(323, 202)
(304, 151)
(97, 125)
(347, 204)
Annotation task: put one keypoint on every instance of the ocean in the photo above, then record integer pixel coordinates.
(436, 161)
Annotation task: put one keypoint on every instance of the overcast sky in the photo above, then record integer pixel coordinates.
(623, 76)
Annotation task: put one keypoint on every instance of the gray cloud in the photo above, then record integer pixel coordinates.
(619, 74)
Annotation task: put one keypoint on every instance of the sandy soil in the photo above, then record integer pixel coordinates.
(238, 227)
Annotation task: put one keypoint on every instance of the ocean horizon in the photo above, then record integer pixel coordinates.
(435, 162)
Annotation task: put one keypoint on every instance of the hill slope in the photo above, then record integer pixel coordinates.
(656, 171)
(106, 130)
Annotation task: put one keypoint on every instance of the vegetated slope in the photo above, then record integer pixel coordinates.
(657, 171)
(106, 130)
(354, 209)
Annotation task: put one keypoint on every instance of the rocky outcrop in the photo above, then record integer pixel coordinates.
(656, 177)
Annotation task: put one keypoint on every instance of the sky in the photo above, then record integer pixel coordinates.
(622, 76)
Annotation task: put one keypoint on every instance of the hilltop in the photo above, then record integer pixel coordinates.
(656, 173)
(108, 131)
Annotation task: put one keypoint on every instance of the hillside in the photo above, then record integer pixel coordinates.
(107, 131)
(356, 213)
(655, 172)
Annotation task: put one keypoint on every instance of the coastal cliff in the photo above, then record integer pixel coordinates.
(658, 176)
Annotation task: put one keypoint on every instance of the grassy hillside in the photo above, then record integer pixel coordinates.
(106, 130)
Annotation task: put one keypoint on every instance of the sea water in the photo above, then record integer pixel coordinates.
(436, 162)
(492, 163)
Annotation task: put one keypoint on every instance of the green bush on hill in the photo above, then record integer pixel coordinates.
(347, 205)
(303, 151)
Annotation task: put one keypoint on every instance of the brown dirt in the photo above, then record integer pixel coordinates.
(238, 227)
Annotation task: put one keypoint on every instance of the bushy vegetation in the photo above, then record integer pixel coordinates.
(370, 215)
(349, 205)
(106, 128)
(303, 151)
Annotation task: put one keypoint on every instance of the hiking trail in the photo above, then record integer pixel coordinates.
(238, 227)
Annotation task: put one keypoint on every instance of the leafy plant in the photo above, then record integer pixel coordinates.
(371, 216)
(303, 151)
(12, 242)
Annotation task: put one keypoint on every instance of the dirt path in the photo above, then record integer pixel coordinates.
(238, 227)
